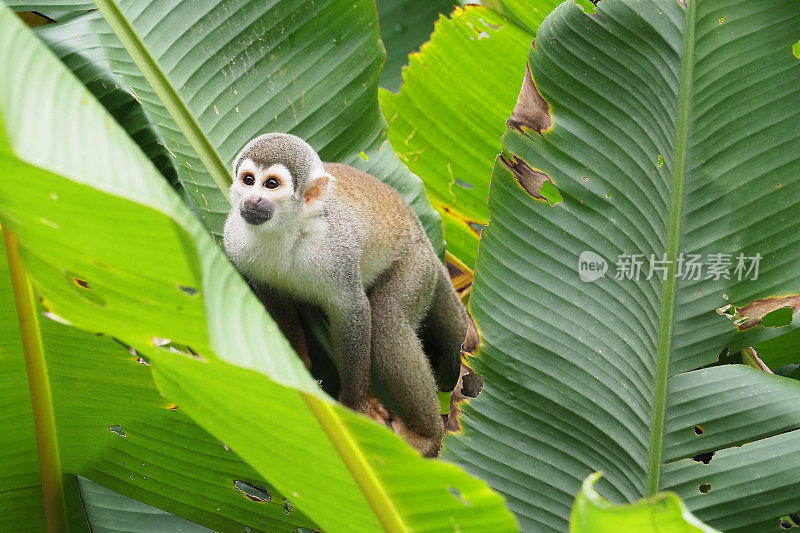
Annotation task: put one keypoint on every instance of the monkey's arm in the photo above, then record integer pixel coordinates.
(351, 329)
(284, 311)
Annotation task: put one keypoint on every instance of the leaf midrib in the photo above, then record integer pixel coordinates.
(53, 501)
(672, 249)
(177, 108)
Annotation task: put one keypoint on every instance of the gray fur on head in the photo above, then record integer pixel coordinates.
(281, 148)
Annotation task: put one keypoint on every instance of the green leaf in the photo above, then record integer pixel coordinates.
(450, 112)
(527, 15)
(663, 512)
(585, 376)
(98, 385)
(80, 43)
(221, 92)
(118, 253)
(405, 25)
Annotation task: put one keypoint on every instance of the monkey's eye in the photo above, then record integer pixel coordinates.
(248, 179)
(271, 183)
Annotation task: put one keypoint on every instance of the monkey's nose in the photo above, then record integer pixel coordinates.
(256, 211)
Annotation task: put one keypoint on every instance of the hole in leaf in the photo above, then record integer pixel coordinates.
(457, 493)
(84, 289)
(698, 430)
(727, 310)
(477, 228)
(471, 384)
(660, 160)
(465, 184)
(190, 291)
(778, 318)
(724, 353)
(722, 20)
(530, 179)
(796, 49)
(550, 193)
(257, 494)
(118, 430)
(704, 458)
(789, 521)
(143, 361)
(704, 488)
(587, 5)
(56, 318)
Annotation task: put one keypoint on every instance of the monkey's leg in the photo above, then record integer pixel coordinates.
(443, 331)
(398, 360)
(351, 332)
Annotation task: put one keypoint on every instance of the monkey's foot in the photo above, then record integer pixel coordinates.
(377, 411)
(374, 410)
(426, 446)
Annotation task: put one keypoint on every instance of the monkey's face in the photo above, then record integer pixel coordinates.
(263, 196)
(279, 183)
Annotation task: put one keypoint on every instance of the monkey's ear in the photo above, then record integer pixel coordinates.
(316, 187)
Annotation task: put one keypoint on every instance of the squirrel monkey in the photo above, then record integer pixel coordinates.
(328, 235)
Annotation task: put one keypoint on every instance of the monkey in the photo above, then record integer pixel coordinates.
(330, 236)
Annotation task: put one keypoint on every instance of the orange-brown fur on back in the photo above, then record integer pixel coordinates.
(393, 227)
(369, 196)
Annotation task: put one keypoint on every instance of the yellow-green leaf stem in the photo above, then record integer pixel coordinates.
(43, 417)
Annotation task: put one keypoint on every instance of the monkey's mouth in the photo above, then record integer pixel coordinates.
(257, 212)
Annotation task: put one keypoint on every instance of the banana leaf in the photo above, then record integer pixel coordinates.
(665, 128)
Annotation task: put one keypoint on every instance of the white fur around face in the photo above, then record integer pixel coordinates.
(288, 261)
(285, 250)
(240, 191)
